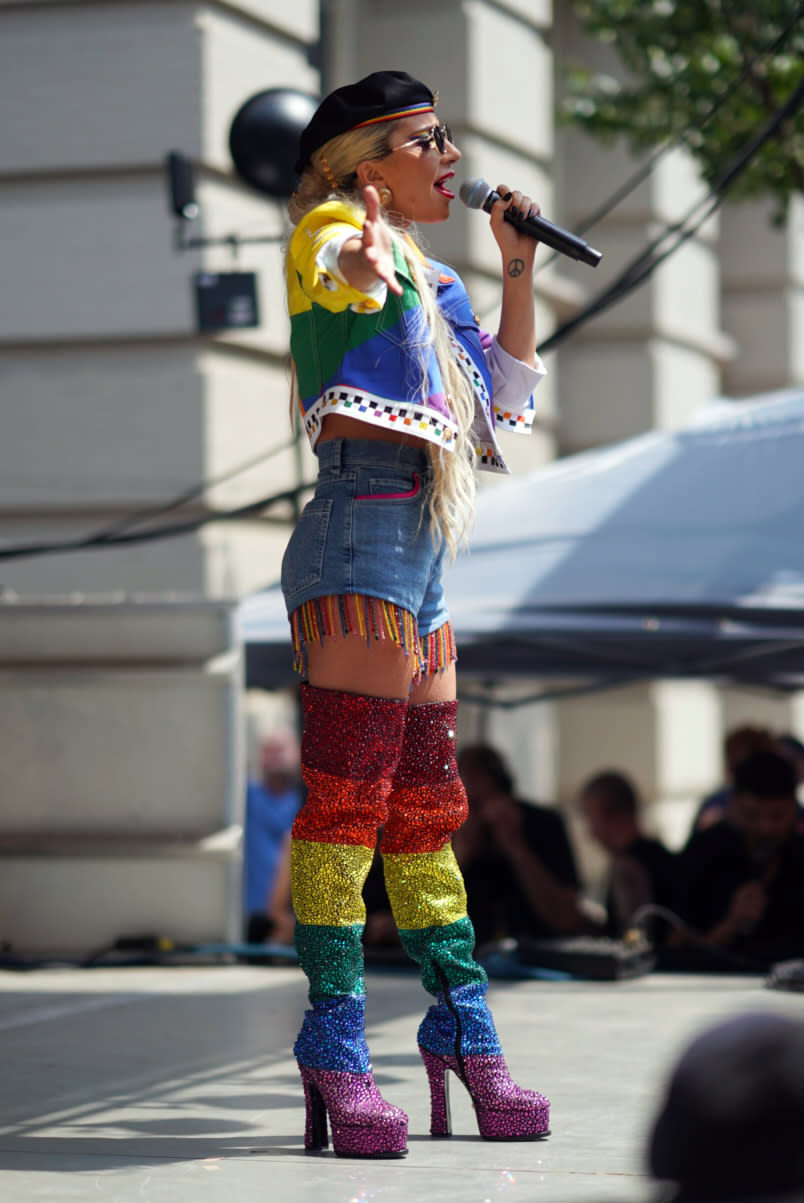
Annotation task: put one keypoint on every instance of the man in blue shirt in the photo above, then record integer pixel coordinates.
(271, 806)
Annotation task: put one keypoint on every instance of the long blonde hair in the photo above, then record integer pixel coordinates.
(331, 175)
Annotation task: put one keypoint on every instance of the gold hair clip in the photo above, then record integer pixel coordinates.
(327, 172)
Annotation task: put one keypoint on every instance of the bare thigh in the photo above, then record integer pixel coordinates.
(380, 670)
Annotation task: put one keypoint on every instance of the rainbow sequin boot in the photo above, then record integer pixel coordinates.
(426, 805)
(350, 748)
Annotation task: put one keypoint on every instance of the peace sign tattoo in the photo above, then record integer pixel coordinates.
(516, 267)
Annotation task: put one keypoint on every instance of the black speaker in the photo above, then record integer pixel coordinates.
(225, 301)
(181, 185)
(264, 138)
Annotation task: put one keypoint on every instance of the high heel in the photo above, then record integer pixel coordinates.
(504, 1110)
(363, 1124)
(440, 1113)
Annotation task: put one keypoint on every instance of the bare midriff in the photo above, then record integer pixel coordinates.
(339, 426)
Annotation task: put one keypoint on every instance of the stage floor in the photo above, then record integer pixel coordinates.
(177, 1084)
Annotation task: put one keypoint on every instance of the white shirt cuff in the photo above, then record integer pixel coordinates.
(327, 263)
(513, 379)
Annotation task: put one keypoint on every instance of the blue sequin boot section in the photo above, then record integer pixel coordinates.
(439, 1028)
(332, 1035)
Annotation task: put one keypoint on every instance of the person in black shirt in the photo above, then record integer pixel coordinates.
(740, 742)
(743, 878)
(642, 871)
(516, 859)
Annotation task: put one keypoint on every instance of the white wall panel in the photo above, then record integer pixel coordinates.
(90, 258)
(590, 173)
(299, 19)
(687, 293)
(763, 297)
(595, 737)
(510, 80)
(606, 393)
(79, 91)
(685, 379)
(95, 427)
(677, 189)
(246, 419)
(137, 425)
(614, 391)
(93, 257)
(223, 560)
(80, 905)
(174, 565)
(761, 322)
(140, 632)
(242, 557)
(754, 252)
(137, 753)
(796, 327)
(689, 718)
(680, 297)
(239, 60)
(424, 39)
(535, 12)
(757, 708)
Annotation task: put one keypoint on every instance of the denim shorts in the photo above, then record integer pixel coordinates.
(366, 531)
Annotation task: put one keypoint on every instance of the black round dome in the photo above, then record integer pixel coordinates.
(264, 138)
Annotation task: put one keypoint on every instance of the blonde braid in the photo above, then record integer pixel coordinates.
(453, 495)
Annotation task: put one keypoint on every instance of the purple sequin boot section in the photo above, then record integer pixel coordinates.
(362, 1123)
(504, 1110)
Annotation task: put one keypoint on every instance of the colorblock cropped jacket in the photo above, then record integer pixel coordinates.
(361, 353)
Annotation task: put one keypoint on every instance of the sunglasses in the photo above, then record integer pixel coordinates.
(438, 137)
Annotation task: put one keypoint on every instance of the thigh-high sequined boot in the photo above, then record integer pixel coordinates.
(426, 806)
(350, 748)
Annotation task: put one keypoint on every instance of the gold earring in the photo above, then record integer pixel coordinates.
(385, 195)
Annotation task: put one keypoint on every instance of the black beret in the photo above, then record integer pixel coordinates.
(381, 96)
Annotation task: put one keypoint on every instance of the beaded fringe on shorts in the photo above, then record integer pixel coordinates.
(373, 619)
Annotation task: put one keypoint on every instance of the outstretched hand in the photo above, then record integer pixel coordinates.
(376, 244)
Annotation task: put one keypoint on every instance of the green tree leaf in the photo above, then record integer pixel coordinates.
(708, 73)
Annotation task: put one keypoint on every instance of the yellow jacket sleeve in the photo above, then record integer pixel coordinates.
(309, 282)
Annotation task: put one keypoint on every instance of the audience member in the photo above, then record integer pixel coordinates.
(642, 871)
(743, 879)
(271, 806)
(739, 743)
(516, 858)
(731, 1125)
(793, 750)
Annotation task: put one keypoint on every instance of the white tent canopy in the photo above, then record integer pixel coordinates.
(671, 554)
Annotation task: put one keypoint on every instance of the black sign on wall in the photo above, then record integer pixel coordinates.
(226, 301)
